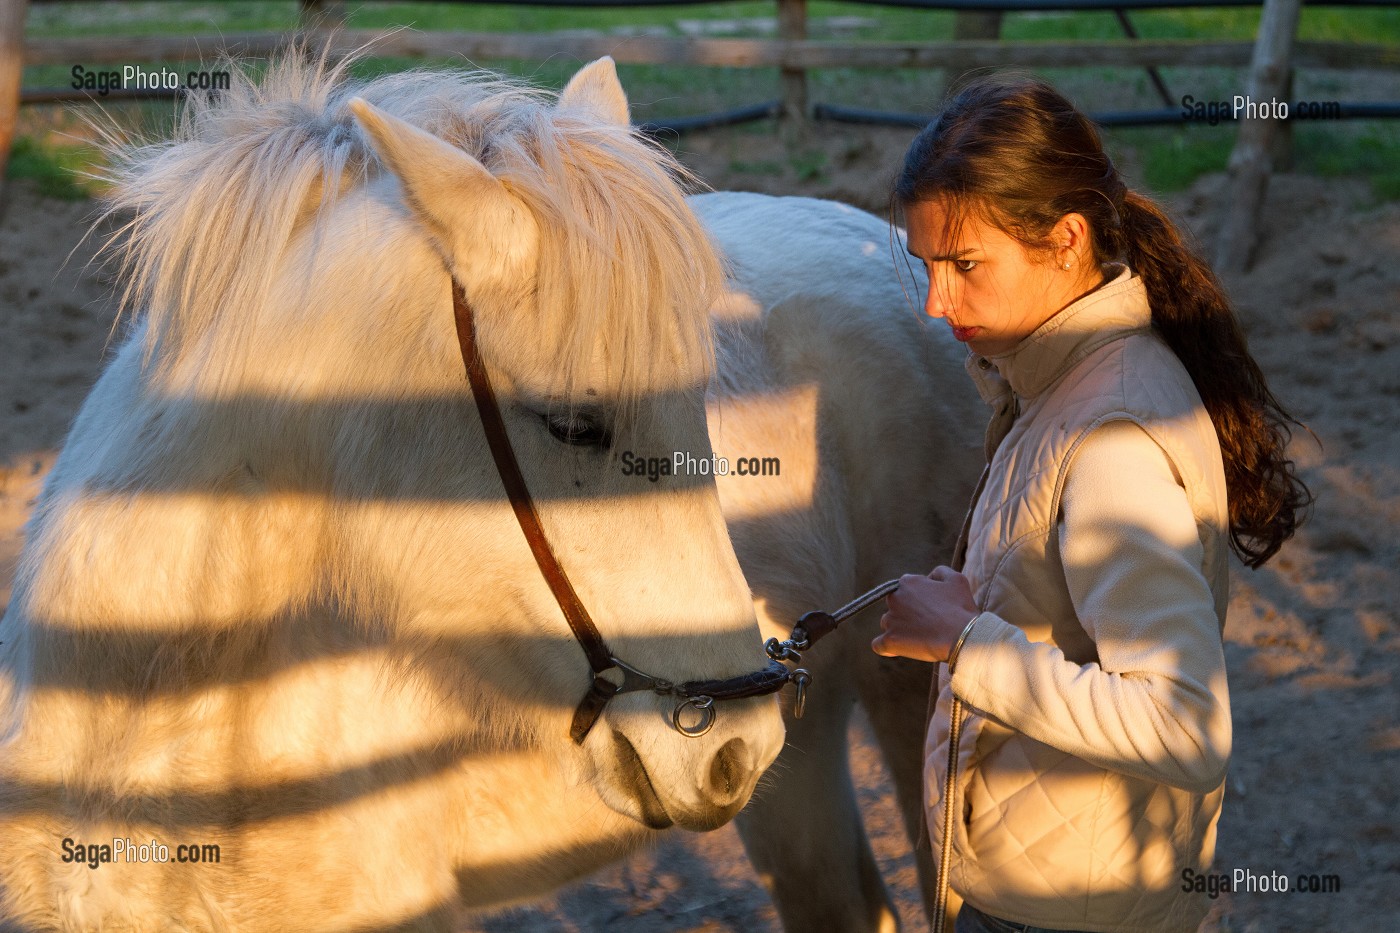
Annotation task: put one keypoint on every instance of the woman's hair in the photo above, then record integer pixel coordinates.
(1016, 153)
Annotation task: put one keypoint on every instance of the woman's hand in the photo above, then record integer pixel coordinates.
(925, 616)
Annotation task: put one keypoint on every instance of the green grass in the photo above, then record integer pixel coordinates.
(1171, 158)
(1374, 153)
(809, 166)
(57, 170)
(1167, 159)
(1174, 157)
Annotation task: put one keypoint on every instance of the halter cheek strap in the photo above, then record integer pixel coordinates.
(585, 632)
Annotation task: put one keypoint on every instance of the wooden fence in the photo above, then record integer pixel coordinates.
(1271, 60)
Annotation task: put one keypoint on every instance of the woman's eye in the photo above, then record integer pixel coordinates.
(579, 429)
(965, 265)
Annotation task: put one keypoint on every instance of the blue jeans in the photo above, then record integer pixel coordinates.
(972, 920)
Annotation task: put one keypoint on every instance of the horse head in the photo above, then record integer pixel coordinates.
(594, 357)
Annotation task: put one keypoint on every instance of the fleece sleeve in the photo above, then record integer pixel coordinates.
(1155, 705)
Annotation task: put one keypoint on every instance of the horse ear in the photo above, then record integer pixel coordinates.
(487, 233)
(596, 89)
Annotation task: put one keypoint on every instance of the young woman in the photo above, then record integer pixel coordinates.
(1081, 733)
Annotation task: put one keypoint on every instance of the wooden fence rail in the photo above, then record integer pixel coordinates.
(800, 55)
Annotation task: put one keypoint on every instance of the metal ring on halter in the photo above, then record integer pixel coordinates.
(802, 678)
(705, 706)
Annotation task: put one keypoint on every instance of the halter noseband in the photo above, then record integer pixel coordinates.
(697, 696)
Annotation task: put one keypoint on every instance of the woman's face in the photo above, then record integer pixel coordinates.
(993, 292)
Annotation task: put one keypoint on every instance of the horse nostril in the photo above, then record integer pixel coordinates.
(729, 770)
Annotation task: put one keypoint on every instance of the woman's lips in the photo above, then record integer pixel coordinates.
(965, 334)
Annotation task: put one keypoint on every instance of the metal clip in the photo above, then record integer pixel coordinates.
(801, 678)
(781, 650)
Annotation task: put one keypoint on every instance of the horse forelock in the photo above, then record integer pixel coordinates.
(626, 272)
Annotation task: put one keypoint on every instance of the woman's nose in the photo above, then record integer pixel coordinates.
(938, 304)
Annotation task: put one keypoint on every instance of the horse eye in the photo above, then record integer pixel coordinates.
(580, 429)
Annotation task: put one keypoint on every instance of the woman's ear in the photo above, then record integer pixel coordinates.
(1073, 240)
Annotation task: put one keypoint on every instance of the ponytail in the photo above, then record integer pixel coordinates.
(1191, 313)
(1022, 152)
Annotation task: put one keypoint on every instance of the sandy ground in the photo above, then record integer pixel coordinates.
(1312, 642)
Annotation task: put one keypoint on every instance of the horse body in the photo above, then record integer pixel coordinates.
(824, 364)
(272, 599)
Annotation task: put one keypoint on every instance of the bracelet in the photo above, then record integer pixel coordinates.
(957, 645)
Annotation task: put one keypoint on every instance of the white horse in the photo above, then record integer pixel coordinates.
(824, 364)
(278, 656)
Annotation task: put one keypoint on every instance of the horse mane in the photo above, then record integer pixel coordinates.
(624, 264)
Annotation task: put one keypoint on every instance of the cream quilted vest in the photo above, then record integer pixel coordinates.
(1039, 836)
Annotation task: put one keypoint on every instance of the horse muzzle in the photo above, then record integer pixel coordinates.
(726, 784)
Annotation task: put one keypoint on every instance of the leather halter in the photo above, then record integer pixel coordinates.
(699, 696)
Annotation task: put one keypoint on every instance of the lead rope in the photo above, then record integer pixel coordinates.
(940, 898)
(940, 901)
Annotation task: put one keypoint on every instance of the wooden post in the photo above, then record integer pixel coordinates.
(322, 14)
(792, 27)
(11, 75)
(1250, 161)
(970, 26)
